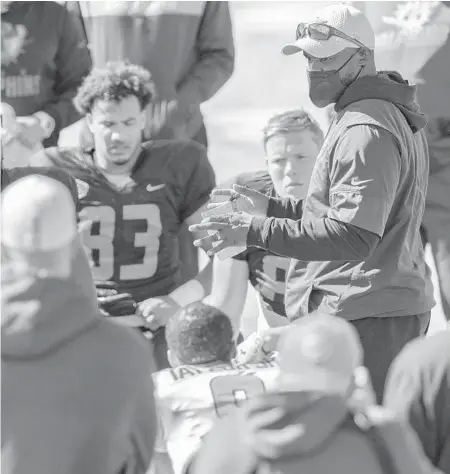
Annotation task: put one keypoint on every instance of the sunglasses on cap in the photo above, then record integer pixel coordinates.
(321, 32)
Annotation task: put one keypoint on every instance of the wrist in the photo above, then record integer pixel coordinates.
(47, 123)
(190, 292)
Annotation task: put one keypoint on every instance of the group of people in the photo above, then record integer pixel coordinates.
(328, 233)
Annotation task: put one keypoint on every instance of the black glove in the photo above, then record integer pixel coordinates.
(113, 303)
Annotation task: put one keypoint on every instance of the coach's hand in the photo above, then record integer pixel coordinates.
(157, 311)
(120, 306)
(243, 200)
(225, 231)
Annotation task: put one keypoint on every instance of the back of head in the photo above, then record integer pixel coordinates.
(38, 226)
(320, 353)
(47, 288)
(199, 334)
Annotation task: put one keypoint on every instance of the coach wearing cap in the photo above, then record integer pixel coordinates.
(359, 224)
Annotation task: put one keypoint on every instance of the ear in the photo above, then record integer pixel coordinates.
(172, 359)
(144, 118)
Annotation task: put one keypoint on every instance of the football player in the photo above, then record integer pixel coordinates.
(134, 197)
(292, 141)
(204, 383)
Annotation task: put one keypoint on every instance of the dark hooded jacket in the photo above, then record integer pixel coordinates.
(311, 434)
(368, 185)
(77, 395)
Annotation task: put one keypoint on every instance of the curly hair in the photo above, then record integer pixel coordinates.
(199, 334)
(115, 81)
(290, 121)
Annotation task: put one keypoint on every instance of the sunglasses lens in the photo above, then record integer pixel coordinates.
(319, 32)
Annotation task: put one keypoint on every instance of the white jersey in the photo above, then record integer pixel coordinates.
(191, 398)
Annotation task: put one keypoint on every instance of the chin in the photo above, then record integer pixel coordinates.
(294, 192)
(119, 161)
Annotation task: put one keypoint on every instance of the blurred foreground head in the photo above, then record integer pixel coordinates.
(199, 334)
(39, 227)
(320, 353)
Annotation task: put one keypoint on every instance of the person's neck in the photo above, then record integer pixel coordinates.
(213, 364)
(107, 167)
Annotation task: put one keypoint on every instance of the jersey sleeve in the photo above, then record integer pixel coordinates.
(199, 179)
(364, 178)
(58, 174)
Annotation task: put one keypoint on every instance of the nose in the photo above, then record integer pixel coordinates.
(289, 169)
(116, 136)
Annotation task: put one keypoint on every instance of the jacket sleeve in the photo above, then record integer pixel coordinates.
(320, 240)
(215, 49)
(73, 63)
(285, 208)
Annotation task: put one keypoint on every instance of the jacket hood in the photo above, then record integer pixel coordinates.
(40, 315)
(316, 415)
(389, 86)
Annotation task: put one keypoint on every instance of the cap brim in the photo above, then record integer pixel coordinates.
(316, 48)
(315, 379)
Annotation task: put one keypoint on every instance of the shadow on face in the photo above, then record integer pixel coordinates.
(117, 128)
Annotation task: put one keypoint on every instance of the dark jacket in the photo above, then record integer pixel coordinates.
(418, 388)
(44, 60)
(359, 225)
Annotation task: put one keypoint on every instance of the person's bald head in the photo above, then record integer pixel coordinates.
(39, 226)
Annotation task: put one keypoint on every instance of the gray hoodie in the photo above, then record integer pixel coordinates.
(77, 396)
(253, 440)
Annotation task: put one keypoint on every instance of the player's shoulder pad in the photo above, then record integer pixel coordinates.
(179, 161)
(58, 174)
(65, 158)
(257, 180)
(185, 153)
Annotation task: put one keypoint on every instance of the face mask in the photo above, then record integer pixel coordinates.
(325, 87)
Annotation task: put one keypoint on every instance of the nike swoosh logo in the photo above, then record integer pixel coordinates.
(355, 182)
(151, 188)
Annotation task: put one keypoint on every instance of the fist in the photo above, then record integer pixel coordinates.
(157, 311)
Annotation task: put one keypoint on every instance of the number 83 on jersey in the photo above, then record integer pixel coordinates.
(113, 238)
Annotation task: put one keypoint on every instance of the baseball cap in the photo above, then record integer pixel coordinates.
(38, 219)
(345, 18)
(320, 353)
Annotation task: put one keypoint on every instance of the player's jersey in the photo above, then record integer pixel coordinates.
(191, 398)
(131, 232)
(267, 272)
